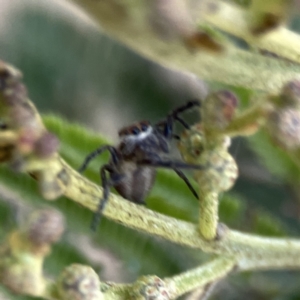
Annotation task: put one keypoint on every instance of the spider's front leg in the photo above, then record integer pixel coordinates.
(97, 152)
(174, 115)
(168, 124)
(106, 185)
(176, 166)
(187, 182)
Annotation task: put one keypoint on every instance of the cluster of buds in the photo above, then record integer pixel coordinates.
(25, 143)
(152, 287)
(79, 282)
(18, 114)
(283, 123)
(23, 254)
(206, 144)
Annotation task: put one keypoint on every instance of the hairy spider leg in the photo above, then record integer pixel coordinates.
(174, 165)
(190, 104)
(168, 130)
(169, 164)
(176, 137)
(187, 182)
(106, 185)
(97, 152)
(183, 123)
(166, 126)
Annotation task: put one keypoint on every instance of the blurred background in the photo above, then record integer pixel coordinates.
(73, 70)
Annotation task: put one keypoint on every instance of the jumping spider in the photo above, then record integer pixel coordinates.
(133, 163)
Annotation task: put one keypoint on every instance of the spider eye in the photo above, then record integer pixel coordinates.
(135, 131)
(144, 127)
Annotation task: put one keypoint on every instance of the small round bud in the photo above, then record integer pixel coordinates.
(15, 92)
(45, 226)
(290, 94)
(23, 278)
(79, 282)
(152, 288)
(283, 126)
(218, 110)
(220, 172)
(26, 141)
(8, 75)
(23, 116)
(46, 145)
(190, 144)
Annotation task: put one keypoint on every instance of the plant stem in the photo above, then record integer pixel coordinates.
(203, 275)
(209, 214)
(185, 282)
(252, 252)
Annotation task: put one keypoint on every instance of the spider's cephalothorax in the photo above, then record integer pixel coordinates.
(139, 143)
(141, 140)
(142, 148)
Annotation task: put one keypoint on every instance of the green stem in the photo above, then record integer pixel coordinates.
(209, 214)
(252, 252)
(203, 275)
(115, 291)
(249, 121)
(181, 284)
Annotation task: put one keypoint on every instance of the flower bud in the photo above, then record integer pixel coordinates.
(218, 110)
(45, 226)
(46, 145)
(190, 144)
(79, 282)
(152, 288)
(283, 126)
(220, 173)
(290, 94)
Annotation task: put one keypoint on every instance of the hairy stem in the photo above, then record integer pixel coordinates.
(252, 252)
(209, 214)
(203, 275)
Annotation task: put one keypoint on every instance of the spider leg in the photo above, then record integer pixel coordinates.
(106, 184)
(183, 123)
(187, 182)
(169, 164)
(176, 137)
(186, 106)
(174, 116)
(168, 124)
(97, 152)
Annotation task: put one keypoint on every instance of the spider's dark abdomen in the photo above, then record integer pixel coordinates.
(137, 183)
